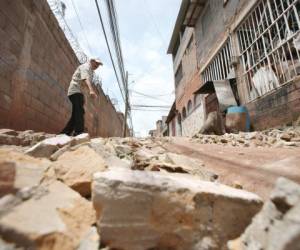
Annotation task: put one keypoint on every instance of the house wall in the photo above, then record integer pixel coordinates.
(281, 107)
(36, 65)
(277, 107)
(214, 25)
(190, 80)
(193, 123)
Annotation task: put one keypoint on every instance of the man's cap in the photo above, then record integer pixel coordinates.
(97, 60)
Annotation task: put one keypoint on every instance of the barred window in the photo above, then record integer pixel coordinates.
(220, 66)
(269, 41)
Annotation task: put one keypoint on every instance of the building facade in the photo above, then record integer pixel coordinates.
(254, 43)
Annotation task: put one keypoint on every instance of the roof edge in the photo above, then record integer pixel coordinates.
(179, 21)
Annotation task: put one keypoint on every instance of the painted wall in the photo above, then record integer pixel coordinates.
(36, 65)
(193, 123)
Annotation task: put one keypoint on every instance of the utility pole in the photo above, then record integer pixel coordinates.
(126, 105)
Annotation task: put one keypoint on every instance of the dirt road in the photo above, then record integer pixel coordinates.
(256, 169)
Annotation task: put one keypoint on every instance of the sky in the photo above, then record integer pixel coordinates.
(145, 31)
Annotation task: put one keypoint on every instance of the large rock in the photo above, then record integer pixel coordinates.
(48, 146)
(139, 210)
(213, 124)
(277, 226)
(76, 168)
(55, 218)
(111, 160)
(19, 171)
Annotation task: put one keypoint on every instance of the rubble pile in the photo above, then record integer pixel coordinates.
(285, 137)
(79, 193)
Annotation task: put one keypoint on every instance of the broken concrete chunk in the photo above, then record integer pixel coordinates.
(9, 140)
(277, 225)
(90, 241)
(59, 152)
(48, 146)
(11, 132)
(80, 139)
(286, 194)
(76, 169)
(139, 210)
(58, 218)
(18, 171)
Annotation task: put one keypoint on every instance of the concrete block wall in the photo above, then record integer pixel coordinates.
(281, 107)
(36, 65)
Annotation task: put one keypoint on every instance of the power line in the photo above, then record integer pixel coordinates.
(112, 14)
(81, 26)
(155, 24)
(110, 54)
(150, 106)
(143, 94)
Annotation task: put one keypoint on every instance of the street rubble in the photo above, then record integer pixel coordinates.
(63, 193)
(282, 137)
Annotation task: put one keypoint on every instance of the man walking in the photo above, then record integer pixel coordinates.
(82, 75)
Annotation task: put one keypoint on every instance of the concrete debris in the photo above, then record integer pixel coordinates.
(19, 171)
(56, 219)
(49, 146)
(146, 194)
(149, 210)
(277, 226)
(90, 241)
(287, 137)
(76, 168)
(80, 139)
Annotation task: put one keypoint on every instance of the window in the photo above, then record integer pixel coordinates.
(189, 107)
(220, 66)
(269, 46)
(178, 75)
(183, 113)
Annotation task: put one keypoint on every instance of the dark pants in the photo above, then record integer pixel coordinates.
(76, 122)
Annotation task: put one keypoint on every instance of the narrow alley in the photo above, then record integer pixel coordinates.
(113, 139)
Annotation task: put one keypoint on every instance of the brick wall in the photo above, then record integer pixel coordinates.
(36, 65)
(278, 108)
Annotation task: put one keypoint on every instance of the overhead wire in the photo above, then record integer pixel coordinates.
(110, 53)
(112, 14)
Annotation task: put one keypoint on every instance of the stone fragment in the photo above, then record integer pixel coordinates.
(57, 218)
(123, 150)
(11, 132)
(19, 171)
(189, 165)
(76, 168)
(90, 241)
(277, 225)
(9, 140)
(80, 139)
(213, 124)
(48, 146)
(139, 210)
(112, 161)
(286, 137)
(59, 152)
